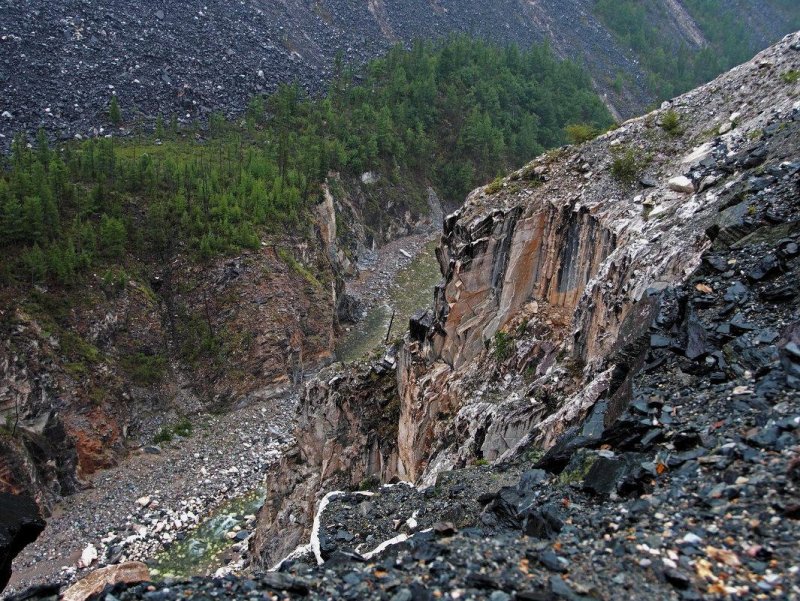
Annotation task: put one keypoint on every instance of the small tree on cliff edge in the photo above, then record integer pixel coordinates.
(113, 111)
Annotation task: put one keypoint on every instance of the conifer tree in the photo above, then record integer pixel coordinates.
(114, 112)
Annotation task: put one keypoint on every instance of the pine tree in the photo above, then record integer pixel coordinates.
(112, 237)
(35, 262)
(43, 153)
(114, 112)
(160, 127)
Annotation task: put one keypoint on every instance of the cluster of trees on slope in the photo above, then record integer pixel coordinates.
(453, 115)
(673, 67)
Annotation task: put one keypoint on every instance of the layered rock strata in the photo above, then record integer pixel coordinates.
(550, 279)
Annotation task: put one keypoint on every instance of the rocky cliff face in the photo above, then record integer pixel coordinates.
(85, 380)
(62, 61)
(552, 271)
(552, 280)
(347, 428)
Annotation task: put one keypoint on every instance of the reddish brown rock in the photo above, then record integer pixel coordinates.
(126, 573)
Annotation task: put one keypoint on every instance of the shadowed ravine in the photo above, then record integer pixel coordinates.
(210, 546)
(412, 289)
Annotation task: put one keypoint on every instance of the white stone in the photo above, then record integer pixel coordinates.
(681, 184)
(143, 501)
(691, 539)
(88, 556)
(369, 177)
(698, 154)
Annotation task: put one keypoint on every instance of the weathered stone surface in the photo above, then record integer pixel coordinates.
(346, 436)
(126, 573)
(68, 391)
(681, 184)
(551, 286)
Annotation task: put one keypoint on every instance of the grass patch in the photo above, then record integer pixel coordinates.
(791, 77)
(183, 429)
(298, 268)
(503, 346)
(495, 186)
(144, 369)
(164, 435)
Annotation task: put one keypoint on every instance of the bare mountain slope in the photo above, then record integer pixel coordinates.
(61, 61)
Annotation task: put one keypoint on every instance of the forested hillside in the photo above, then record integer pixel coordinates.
(453, 115)
(730, 29)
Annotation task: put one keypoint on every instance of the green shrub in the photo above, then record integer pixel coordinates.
(790, 77)
(144, 369)
(197, 339)
(183, 428)
(112, 237)
(164, 435)
(578, 133)
(503, 346)
(671, 123)
(369, 483)
(495, 186)
(113, 279)
(625, 166)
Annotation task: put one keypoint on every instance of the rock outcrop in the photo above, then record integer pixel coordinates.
(84, 377)
(551, 272)
(347, 428)
(553, 278)
(20, 524)
(129, 572)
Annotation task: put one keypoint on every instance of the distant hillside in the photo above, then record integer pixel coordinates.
(61, 61)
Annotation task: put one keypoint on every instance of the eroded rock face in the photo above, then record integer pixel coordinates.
(346, 437)
(553, 279)
(20, 524)
(86, 375)
(556, 265)
(496, 264)
(129, 572)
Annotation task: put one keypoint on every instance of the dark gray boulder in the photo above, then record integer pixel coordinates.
(20, 525)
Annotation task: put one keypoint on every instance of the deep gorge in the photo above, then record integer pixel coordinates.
(602, 340)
